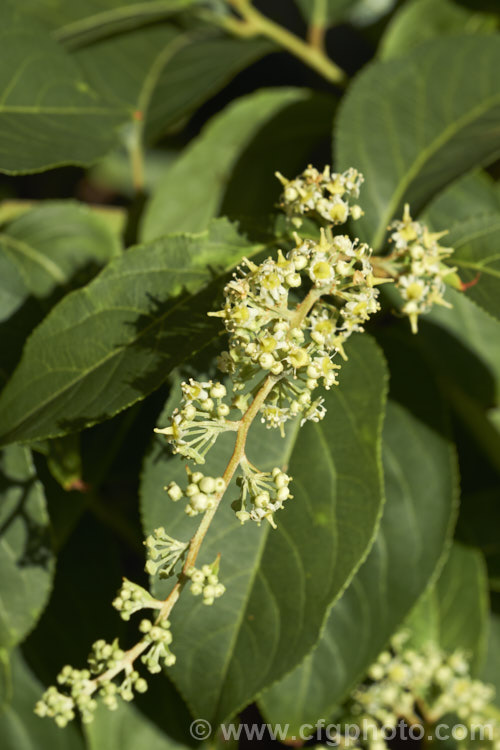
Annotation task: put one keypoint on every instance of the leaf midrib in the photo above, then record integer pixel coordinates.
(34, 255)
(34, 109)
(123, 13)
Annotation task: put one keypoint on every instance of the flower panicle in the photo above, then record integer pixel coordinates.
(326, 195)
(195, 427)
(421, 268)
(406, 682)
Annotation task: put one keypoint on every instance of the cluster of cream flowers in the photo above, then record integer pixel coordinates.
(201, 491)
(420, 685)
(418, 258)
(260, 315)
(205, 582)
(163, 552)
(262, 493)
(81, 687)
(325, 194)
(131, 598)
(195, 427)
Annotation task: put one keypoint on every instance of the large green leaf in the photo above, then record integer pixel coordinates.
(414, 125)
(454, 612)
(45, 253)
(20, 728)
(472, 195)
(192, 189)
(420, 20)
(13, 289)
(420, 484)
(470, 208)
(49, 115)
(476, 254)
(107, 345)
(160, 74)
(26, 560)
(50, 243)
(77, 23)
(126, 729)
(471, 332)
(292, 139)
(279, 582)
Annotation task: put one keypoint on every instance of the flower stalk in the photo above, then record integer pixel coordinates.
(286, 318)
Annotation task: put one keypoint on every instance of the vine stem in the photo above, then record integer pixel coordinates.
(253, 23)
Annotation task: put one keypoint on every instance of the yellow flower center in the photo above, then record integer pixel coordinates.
(322, 270)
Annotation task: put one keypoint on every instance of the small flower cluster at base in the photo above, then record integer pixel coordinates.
(326, 194)
(84, 686)
(428, 682)
(132, 598)
(205, 581)
(202, 492)
(418, 258)
(163, 553)
(261, 494)
(160, 638)
(196, 426)
(62, 707)
(266, 334)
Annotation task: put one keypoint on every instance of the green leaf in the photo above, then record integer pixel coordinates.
(111, 343)
(161, 75)
(475, 241)
(478, 524)
(80, 23)
(126, 729)
(49, 114)
(13, 289)
(471, 195)
(43, 254)
(113, 173)
(458, 347)
(50, 243)
(288, 142)
(475, 195)
(476, 254)
(279, 582)
(413, 125)
(26, 559)
(191, 191)
(420, 483)
(20, 728)
(473, 330)
(490, 672)
(420, 20)
(454, 612)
